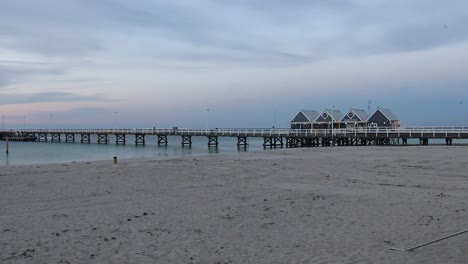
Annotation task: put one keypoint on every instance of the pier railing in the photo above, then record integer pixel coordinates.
(260, 132)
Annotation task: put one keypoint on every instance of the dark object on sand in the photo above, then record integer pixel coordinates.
(431, 242)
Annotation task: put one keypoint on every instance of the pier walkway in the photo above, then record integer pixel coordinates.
(272, 137)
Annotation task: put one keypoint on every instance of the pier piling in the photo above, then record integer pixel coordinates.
(120, 139)
(70, 138)
(55, 137)
(186, 140)
(103, 139)
(242, 141)
(272, 138)
(139, 139)
(162, 140)
(212, 141)
(85, 138)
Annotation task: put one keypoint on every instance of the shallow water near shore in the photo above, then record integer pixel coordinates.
(27, 153)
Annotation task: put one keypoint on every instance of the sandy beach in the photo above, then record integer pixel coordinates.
(314, 205)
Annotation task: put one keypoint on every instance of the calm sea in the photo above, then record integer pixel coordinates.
(21, 153)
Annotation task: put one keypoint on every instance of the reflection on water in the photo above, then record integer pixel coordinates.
(212, 150)
(242, 149)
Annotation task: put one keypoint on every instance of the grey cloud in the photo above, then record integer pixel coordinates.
(82, 112)
(16, 62)
(435, 34)
(7, 75)
(262, 32)
(350, 28)
(11, 98)
(14, 71)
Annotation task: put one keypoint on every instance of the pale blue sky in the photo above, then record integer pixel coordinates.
(86, 63)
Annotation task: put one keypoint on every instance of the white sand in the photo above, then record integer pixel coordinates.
(315, 205)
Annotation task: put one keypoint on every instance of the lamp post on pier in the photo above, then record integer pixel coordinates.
(274, 119)
(3, 122)
(50, 118)
(115, 120)
(332, 114)
(206, 119)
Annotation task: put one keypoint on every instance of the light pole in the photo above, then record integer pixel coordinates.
(332, 114)
(115, 120)
(50, 117)
(24, 122)
(206, 119)
(274, 123)
(3, 122)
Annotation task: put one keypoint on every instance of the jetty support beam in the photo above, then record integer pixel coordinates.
(139, 139)
(404, 141)
(273, 142)
(212, 141)
(267, 142)
(299, 142)
(103, 139)
(242, 141)
(424, 141)
(70, 138)
(278, 141)
(42, 137)
(291, 142)
(120, 139)
(85, 138)
(186, 140)
(362, 141)
(55, 137)
(162, 140)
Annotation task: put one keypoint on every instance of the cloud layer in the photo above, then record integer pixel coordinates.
(47, 97)
(181, 55)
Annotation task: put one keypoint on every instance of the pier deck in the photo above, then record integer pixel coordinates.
(272, 137)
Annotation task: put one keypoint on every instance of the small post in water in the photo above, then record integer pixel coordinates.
(7, 145)
(115, 159)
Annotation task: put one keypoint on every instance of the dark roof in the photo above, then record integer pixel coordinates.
(389, 114)
(335, 114)
(362, 114)
(309, 115)
(355, 115)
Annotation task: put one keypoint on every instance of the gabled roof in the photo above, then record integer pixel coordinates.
(335, 114)
(309, 115)
(361, 114)
(388, 114)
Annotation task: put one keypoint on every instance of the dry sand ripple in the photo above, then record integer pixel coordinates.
(317, 205)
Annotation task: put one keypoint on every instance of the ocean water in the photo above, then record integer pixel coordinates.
(22, 153)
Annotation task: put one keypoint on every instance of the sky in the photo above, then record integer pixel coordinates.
(229, 64)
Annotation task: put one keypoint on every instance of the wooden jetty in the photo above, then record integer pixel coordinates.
(272, 138)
